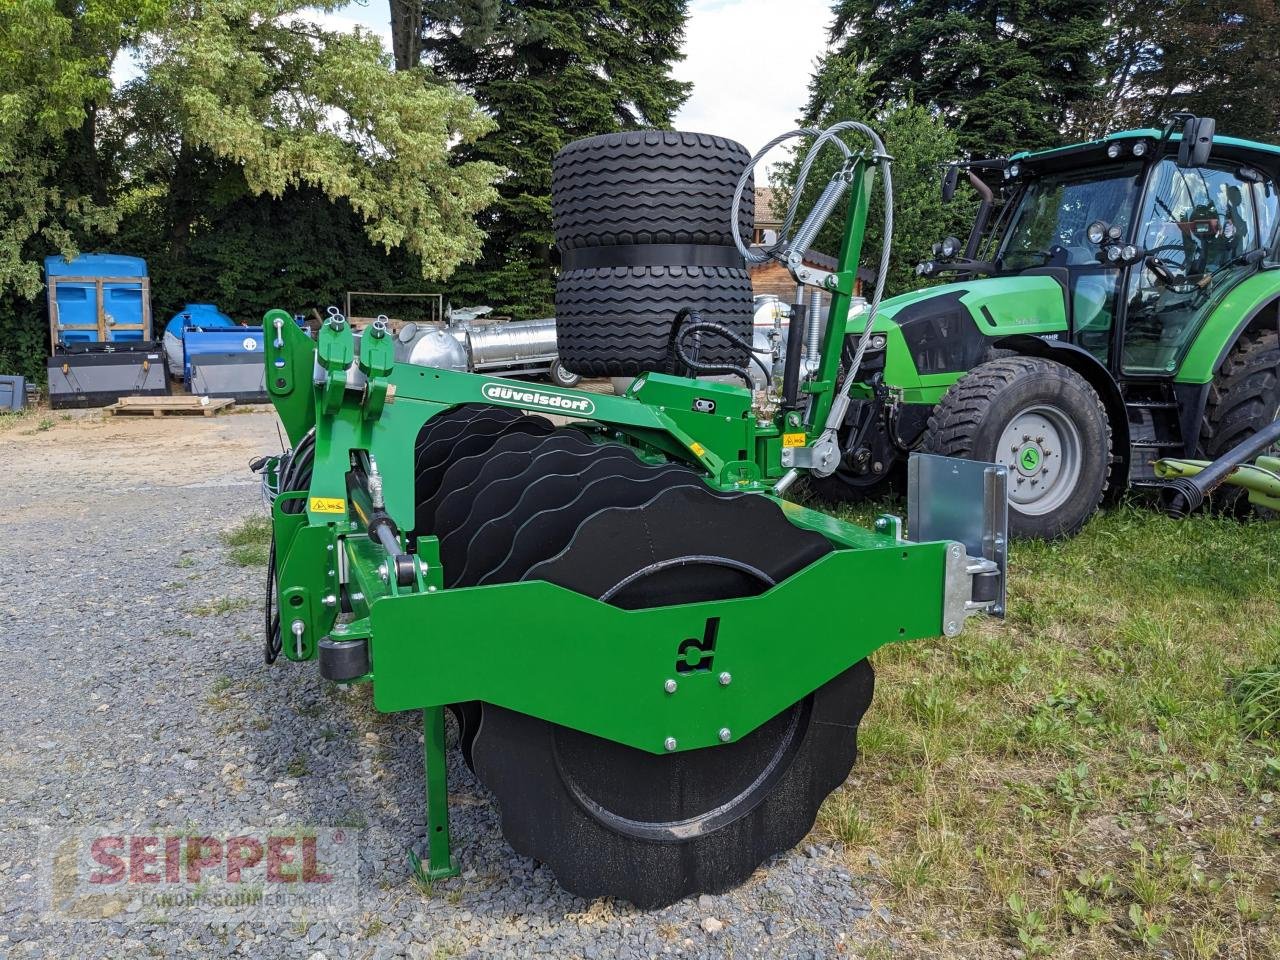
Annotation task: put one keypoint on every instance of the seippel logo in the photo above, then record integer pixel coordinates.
(538, 399)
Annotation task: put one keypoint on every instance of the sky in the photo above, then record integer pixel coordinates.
(749, 61)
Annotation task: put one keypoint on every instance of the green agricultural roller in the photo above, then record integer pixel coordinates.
(657, 664)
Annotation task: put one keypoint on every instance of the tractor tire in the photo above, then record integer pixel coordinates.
(1243, 398)
(1046, 424)
(649, 186)
(616, 321)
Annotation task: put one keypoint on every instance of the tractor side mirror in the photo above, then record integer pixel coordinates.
(949, 180)
(1197, 141)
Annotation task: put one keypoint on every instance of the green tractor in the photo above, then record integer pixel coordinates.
(1116, 306)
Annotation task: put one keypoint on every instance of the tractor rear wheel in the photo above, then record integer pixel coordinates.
(1243, 398)
(1046, 424)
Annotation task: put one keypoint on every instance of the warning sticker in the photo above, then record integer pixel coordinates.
(793, 439)
(328, 505)
(697, 448)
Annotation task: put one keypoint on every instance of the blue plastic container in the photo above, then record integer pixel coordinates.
(195, 317)
(76, 313)
(203, 315)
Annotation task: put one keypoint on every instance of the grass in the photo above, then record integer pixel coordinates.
(247, 542)
(220, 606)
(1099, 775)
(28, 416)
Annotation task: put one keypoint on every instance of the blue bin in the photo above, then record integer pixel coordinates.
(98, 298)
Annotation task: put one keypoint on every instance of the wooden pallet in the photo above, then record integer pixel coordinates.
(159, 406)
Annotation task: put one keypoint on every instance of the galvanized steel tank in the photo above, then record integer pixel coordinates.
(430, 347)
(509, 343)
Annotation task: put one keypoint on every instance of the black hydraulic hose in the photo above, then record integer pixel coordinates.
(271, 625)
(297, 470)
(695, 324)
(1188, 493)
(795, 346)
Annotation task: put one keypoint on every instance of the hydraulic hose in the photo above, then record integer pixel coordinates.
(786, 246)
(695, 324)
(791, 370)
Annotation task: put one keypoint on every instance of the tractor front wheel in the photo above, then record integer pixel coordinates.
(1046, 424)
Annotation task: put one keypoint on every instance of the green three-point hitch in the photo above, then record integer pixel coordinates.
(657, 664)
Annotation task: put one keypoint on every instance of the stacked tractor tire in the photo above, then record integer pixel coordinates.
(642, 223)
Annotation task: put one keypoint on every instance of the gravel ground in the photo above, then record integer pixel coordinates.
(138, 700)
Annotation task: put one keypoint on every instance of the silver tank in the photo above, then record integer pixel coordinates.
(510, 342)
(430, 347)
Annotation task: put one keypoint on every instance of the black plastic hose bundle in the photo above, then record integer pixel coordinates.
(688, 321)
(295, 475)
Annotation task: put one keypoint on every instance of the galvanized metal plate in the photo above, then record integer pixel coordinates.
(949, 498)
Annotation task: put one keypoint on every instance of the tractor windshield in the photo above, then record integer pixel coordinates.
(1054, 212)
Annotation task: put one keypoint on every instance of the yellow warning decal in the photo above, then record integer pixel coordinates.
(793, 439)
(328, 505)
(697, 448)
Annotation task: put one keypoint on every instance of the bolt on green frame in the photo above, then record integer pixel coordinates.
(537, 648)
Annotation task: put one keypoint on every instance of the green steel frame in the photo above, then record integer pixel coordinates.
(538, 648)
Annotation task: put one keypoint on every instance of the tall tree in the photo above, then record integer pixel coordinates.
(548, 72)
(55, 64)
(259, 84)
(1007, 74)
(1212, 59)
(243, 112)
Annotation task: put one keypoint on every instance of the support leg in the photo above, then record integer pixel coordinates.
(440, 861)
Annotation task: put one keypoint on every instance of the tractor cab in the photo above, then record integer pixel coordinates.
(1137, 264)
(1145, 237)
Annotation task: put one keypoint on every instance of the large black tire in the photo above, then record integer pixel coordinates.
(649, 186)
(616, 321)
(1008, 411)
(1243, 398)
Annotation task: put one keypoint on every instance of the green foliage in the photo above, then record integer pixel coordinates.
(548, 72)
(1005, 75)
(258, 160)
(248, 254)
(919, 141)
(55, 61)
(292, 105)
(1257, 695)
(1212, 59)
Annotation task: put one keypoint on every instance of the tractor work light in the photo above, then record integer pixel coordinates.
(950, 247)
(1140, 148)
(1114, 232)
(1097, 232)
(1113, 254)
(1129, 253)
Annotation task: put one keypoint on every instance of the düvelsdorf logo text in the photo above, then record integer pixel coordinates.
(537, 399)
